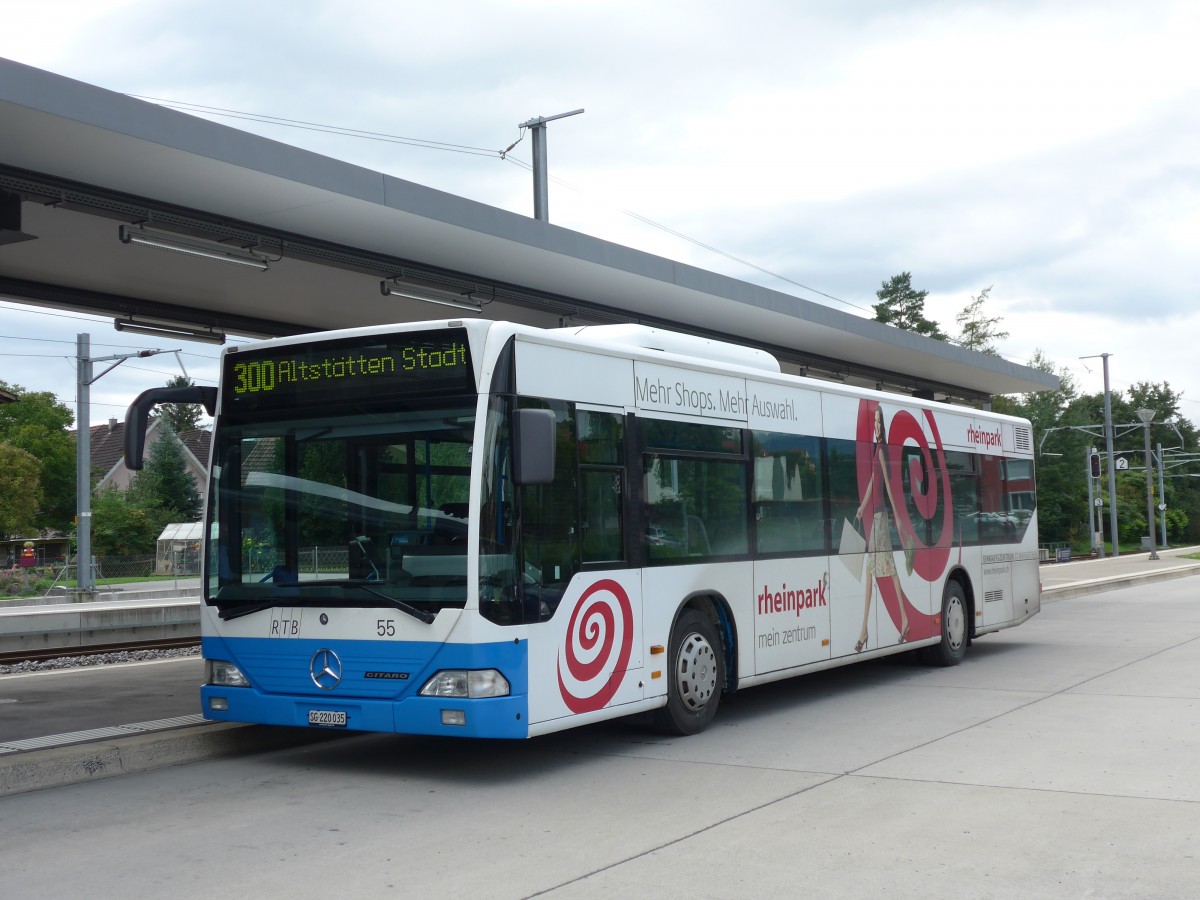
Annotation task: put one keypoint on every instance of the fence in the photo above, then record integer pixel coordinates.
(119, 568)
(311, 560)
(257, 563)
(41, 580)
(107, 570)
(1057, 551)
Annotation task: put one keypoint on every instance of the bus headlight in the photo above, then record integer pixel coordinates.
(225, 674)
(471, 683)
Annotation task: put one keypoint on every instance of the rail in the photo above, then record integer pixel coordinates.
(16, 657)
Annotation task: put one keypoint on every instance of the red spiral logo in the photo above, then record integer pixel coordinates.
(930, 560)
(928, 483)
(601, 617)
(928, 487)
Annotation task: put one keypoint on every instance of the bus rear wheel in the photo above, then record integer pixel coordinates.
(694, 680)
(953, 647)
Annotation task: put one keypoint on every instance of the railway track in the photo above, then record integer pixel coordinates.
(47, 632)
(41, 654)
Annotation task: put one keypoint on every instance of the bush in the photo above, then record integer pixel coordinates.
(13, 582)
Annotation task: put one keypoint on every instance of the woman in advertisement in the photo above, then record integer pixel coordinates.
(877, 498)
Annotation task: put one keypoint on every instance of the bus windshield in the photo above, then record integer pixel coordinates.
(367, 509)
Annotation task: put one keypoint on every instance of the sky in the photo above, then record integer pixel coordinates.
(1047, 150)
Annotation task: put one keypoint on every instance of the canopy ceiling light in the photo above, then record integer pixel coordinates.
(192, 246)
(430, 295)
(176, 332)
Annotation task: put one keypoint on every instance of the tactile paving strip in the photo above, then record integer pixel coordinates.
(99, 734)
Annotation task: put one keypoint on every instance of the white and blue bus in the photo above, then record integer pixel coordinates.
(487, 529)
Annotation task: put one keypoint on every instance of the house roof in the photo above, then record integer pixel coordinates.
(197, 443)
(108, 447)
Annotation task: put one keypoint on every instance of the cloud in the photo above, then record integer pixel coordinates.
(1046, 148)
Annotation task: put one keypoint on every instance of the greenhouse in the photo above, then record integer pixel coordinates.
(179, 549)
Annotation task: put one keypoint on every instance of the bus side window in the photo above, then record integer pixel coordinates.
(964, 494)
(995, 522)
(549, 520)
(666, 519)
(601, 446)
(697, 537)
(788, 493)
(778, 530)
(601, 519)
(842, 472)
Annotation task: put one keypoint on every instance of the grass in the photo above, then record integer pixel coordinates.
(40, 583)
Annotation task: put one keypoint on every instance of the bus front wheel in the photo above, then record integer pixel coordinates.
(694, 680)
(953, 645)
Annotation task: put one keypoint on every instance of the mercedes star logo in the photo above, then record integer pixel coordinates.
(325, 669)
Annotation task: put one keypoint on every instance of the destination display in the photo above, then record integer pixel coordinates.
(347, 371)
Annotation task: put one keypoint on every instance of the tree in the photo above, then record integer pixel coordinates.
(902, 306)
(1179, 438)
(165, 481)
(20, 491)
(1061, 480)
(1063, 514)
(1160, 398)
(182, 417)
(38, 424)
(125, 525)
(978, 331)
(1044, 409)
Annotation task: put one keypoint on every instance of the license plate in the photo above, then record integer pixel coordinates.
(327, 718)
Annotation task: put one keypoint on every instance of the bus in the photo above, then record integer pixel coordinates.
(488, 529)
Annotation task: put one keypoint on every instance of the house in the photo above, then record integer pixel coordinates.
(48, 551)
(108, 454)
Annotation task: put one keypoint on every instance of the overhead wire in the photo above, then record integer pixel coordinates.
(697, 243)
(84, 318)
(70, 358)
(326, 129)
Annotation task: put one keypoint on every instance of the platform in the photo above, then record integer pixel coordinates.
(1079, 576)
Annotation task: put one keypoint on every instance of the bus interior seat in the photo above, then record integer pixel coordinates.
(450, 530)
(365, 559)
(729, 538)
(697, 537)
(778, 535)
(811, 526)
(432, 566)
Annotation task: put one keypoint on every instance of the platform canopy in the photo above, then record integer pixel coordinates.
(83, 169)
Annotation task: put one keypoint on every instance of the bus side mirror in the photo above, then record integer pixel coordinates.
(139, 414)
(533, 446)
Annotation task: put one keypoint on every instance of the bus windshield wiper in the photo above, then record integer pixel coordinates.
(420, 614)
(238, 611)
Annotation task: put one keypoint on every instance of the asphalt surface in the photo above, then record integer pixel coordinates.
(1059, 760)
(81, 699)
